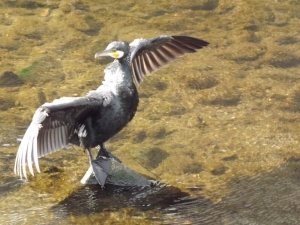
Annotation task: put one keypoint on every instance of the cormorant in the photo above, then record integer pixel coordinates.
(91, 120)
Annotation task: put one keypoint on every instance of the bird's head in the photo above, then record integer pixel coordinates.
(116, 49)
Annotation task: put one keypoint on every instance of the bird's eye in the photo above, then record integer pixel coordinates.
(114, 50)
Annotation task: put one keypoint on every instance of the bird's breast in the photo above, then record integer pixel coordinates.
(113, 118)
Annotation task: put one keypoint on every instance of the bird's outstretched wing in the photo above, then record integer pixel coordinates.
(52, 125)
(148, 55)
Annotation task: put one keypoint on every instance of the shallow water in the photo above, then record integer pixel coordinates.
(220, 126)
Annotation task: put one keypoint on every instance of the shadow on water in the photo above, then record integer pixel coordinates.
(92, 199)
(270, 198)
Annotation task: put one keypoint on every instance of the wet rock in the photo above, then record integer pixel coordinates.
(140, 137)
(176, 110)
(295, 101)
(202, 82)
(284, 60)
(193, 168)
(282, 77)
(9, 44)
(52, 169)
(288, 40)
(251, 27)
(25, 4)
(206, 5)
(209, 5)
(150, 158)
(6, 104)
(219, 170)
(79, 5)
(229, 100)
(6, 21)
(157, 132)
(230, 158)
(31, 28)
(32, 4)
(154, 14)
(119, 174)
(160, 86)
(84, 23)
(66, 7)
(9, 79)
(293, 159)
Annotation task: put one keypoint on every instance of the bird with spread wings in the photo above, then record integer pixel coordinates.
(91, 120)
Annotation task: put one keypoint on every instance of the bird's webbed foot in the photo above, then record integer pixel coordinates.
(104, 152)
(101, 168)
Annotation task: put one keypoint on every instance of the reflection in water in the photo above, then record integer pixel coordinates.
(92, 199)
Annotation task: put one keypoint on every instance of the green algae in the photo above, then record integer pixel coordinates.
(26, 72)
(42, 70)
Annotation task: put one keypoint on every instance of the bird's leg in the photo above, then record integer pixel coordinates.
(100, 168)
(89, 155)
(103, 152)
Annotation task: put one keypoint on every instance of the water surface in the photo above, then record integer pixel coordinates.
(220, 126)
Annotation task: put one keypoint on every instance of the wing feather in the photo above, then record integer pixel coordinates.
(35, 156)
(147, 64)
(148, 55)
(49, 147)
(163, 60)
(166, 53)
(51, 127)
(29, 154)
(175, 50)
(139, 67)
(137, 73)
(153, 62)
(142, 64)
(64, 136)
(45, 145)
(57, 138)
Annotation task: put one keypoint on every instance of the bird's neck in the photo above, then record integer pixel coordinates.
(118, 74)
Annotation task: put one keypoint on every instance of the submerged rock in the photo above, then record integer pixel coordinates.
(6, 104)
(8, 79)
(119, 175)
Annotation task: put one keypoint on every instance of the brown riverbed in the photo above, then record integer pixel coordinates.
(220, 126)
